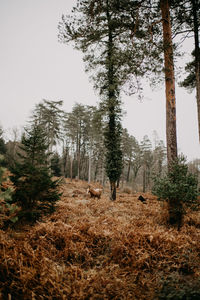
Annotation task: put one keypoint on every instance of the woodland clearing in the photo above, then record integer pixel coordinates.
(101, 249)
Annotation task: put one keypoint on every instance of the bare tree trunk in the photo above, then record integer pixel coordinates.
(78, 153)
(113, 191)
(144, 180)
(197, 57)
(102, 176)
(78, 165)
(64, 164)
(64, 159)
(95, 172)
(128, 172)
(118, 182)
(169, 83)
(89, 167)
(71, 167)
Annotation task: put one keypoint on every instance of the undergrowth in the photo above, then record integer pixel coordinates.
(99, 249)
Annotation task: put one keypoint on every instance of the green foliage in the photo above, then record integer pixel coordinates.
(134, 52)
(190, 81)
(2, 148)
(35, 191)
(187, 17)
(55, 165)
(178, 185)
(8, 211)
(179, 188)
(114, 153)
(48, 115)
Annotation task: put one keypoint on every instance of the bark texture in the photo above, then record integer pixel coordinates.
(169, 83)
(113, 191)
(195, 7)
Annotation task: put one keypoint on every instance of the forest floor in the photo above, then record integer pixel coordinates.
(101, 249)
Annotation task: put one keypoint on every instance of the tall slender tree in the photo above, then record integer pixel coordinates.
(196, 24)
(147, 161)
(48, 114)
(76, 127)
(113, 132)
(169, 83)
(95, 34)
(159, 155)
(98, 147)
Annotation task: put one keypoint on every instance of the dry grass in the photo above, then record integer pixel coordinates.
(98, 249)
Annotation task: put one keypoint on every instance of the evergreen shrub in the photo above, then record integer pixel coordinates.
(36, 193)
(8, 211)
(179, 188)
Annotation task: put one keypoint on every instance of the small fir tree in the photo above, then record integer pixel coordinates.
(8, 211)
(35, 192)
(179, 188)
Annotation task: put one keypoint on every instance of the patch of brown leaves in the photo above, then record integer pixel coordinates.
(98, 249)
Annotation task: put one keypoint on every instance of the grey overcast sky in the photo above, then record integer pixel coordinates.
(35, 66)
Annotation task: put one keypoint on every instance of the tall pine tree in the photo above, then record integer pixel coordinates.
(93, 27)
(169, 83)
(35, 191)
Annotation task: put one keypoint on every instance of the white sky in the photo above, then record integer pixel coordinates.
(35, 66)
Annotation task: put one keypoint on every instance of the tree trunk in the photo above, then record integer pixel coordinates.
(118, 182)
(71, 167)
(89, 167)
(113, 191)
(175, 214)
(102, 176)
(113, 132)
(78, 153)
(197, 57)
(174, 206)
(64, 164)
(169, 84)
(128, 172)
(95, 172)
(78, 165)
(64, 159)
(144, 180)
(135, 172)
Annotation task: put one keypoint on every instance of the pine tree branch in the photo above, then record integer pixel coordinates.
(181, 32)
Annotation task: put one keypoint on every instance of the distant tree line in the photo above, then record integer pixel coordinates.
(56, 143)
(76, 147)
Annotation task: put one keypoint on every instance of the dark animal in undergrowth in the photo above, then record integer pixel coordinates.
(94, 192)
(142, 199)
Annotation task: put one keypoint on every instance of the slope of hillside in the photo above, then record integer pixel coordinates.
(98, 249)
